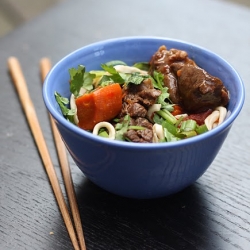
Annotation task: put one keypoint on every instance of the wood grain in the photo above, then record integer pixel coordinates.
(26, 102)
(212, 214)
(45, 66)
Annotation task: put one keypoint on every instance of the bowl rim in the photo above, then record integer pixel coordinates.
(140, 146)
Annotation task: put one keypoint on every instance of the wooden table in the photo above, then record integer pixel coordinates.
(213, 213)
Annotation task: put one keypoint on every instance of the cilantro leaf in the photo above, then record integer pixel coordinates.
(80, 79)
(169, 136)
(163, 99)
(122, 128)
(135, 78)
(121, 78)
(142, 66)
(114, 75)
(63, 102)
(109, 68)
(158, 80)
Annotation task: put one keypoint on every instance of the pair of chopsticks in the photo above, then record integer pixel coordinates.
(21, 86)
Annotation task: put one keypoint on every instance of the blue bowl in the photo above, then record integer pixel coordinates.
(141, 170)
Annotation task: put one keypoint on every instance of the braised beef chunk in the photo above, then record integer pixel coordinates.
(149, 96)
(138, 98)
(136, 101)
(143, 122)
(199, 91)
(135, 110)
(162, 60)
(143, 135)
(189, 86)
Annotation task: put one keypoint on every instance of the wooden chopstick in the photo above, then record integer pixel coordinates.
(29, 109)
(45, 66)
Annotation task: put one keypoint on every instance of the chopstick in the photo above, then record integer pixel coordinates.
(29, 109)
(45, 66)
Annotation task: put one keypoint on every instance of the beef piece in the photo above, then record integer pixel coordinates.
(140, 121)
(143, 93)
(132, 136)
(149, 96)
(136, 110)
(138, 98)
(145, 135)
(166, 57)
(143, 122)
(199, 91)
(170, 81)
(146, 84)
(162, 60)
(190, 86)
(131, 98)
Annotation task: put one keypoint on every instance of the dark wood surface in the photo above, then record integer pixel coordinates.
(213, 213)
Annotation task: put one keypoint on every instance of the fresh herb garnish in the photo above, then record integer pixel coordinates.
(63, 102)
(163, 99)
(142, 66)
(158, 80)
(121, 78)
(80, 79)
(121, 128)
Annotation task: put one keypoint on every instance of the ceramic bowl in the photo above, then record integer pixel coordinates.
(141, 170)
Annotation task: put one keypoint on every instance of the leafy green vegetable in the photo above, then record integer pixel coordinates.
(158, 80)
(163, 99)
(110, 69)
(121, 78)
(114, 75)
(115, 62)
(103, 133)
(190, 133)
(97, 73)
(201, 129)
(105, 80)
(122, 128)
(188, 125)
(170, 137)
(80, 79)
(135, 78)
(63, 102)
(157, 119)
(142, 66)
(172, 129)
(164, 113)
(136, 127)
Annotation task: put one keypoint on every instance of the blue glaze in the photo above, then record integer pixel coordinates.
(141, 170)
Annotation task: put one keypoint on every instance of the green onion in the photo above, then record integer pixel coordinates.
(189, 133)
(188, 125)
(136, 127)
(201, 129)
(169, 136)
(103, 134)
(164, 113)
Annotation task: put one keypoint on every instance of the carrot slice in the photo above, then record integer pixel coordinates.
(102, 104)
